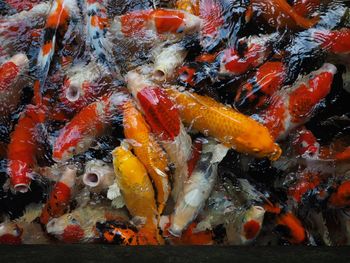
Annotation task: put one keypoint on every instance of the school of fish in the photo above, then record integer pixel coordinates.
(182, 122)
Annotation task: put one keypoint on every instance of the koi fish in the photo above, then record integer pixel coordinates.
(97, 25)
(255, 50)
(98, 175)
(60, 196)
(305, 7)
(278, 13)
(257, 90)
(135, 185)
(292, 107)
(22, 149)
(24, 230)
(305, 143)
(166, 62)
(160, 21)
(149, 152)
(79, 226)
(230, 127)
(245, 227)
(334, 41)
(197, 188)
(12, 82)
(291, 228)
(190, 6)
(57, 22)
(211, 13)
(78, 135)
(121, 233)
(80, 85)
(340, 198)
(194, 74)
(23, 5)
(164, 120)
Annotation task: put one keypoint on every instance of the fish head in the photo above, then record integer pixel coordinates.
(10, 233)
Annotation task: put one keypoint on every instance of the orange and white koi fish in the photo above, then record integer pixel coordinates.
(167, 61)
(60, 196)
(57, 22)
(245, 225)
(121, 233)
(12, 82)
(24, 230)
(160, 21)
(197, 188)
(334, 41)
(256, 51)
(211, 13)
(279, 14)
(164, 120)
(81, 85)
(257, 90)
(190, 6)
(78, 135)
(230, 127)
(79, 226)
(149, 152)
(291, 228)
(97, 28)
(292, 107)
(98, 176)
(22, 149)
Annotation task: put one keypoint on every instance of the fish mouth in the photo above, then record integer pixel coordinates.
(21, 188)
(91, 179)
(276, 153)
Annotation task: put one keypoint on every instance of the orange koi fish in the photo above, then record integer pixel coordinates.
(81, 85)
(78, 135)
(291, 227)
(149, 152)
(160, 21)
(279, 13)
(164, 120)
(256, 51)
(292, 107)
(121, 233)
(257, 90)
(136, 188)
(341, 197)
(22, 149)
(60, 196)
(211, 13)
(334, 41)
(12, 81)
(225, 124)
(190, 6)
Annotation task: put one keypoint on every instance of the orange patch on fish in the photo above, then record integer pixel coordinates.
(251, 229)
(296, 230)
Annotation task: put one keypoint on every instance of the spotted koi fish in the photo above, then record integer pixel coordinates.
(225, 124)
(292, 107)
(60, 196)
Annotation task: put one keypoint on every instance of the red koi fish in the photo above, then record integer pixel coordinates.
(257, 90)
(256, 51)
(334, 41)
(279, 13)
(58, 202)
(160, 21)
(292, 107)
(306, 181)
(78, 135)
(20, 5)
(12, 81)
(22, 149)
(211, 13)
(82, 85)
(164, 120)
(341, 197)
(291, 228)
(305, 143)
